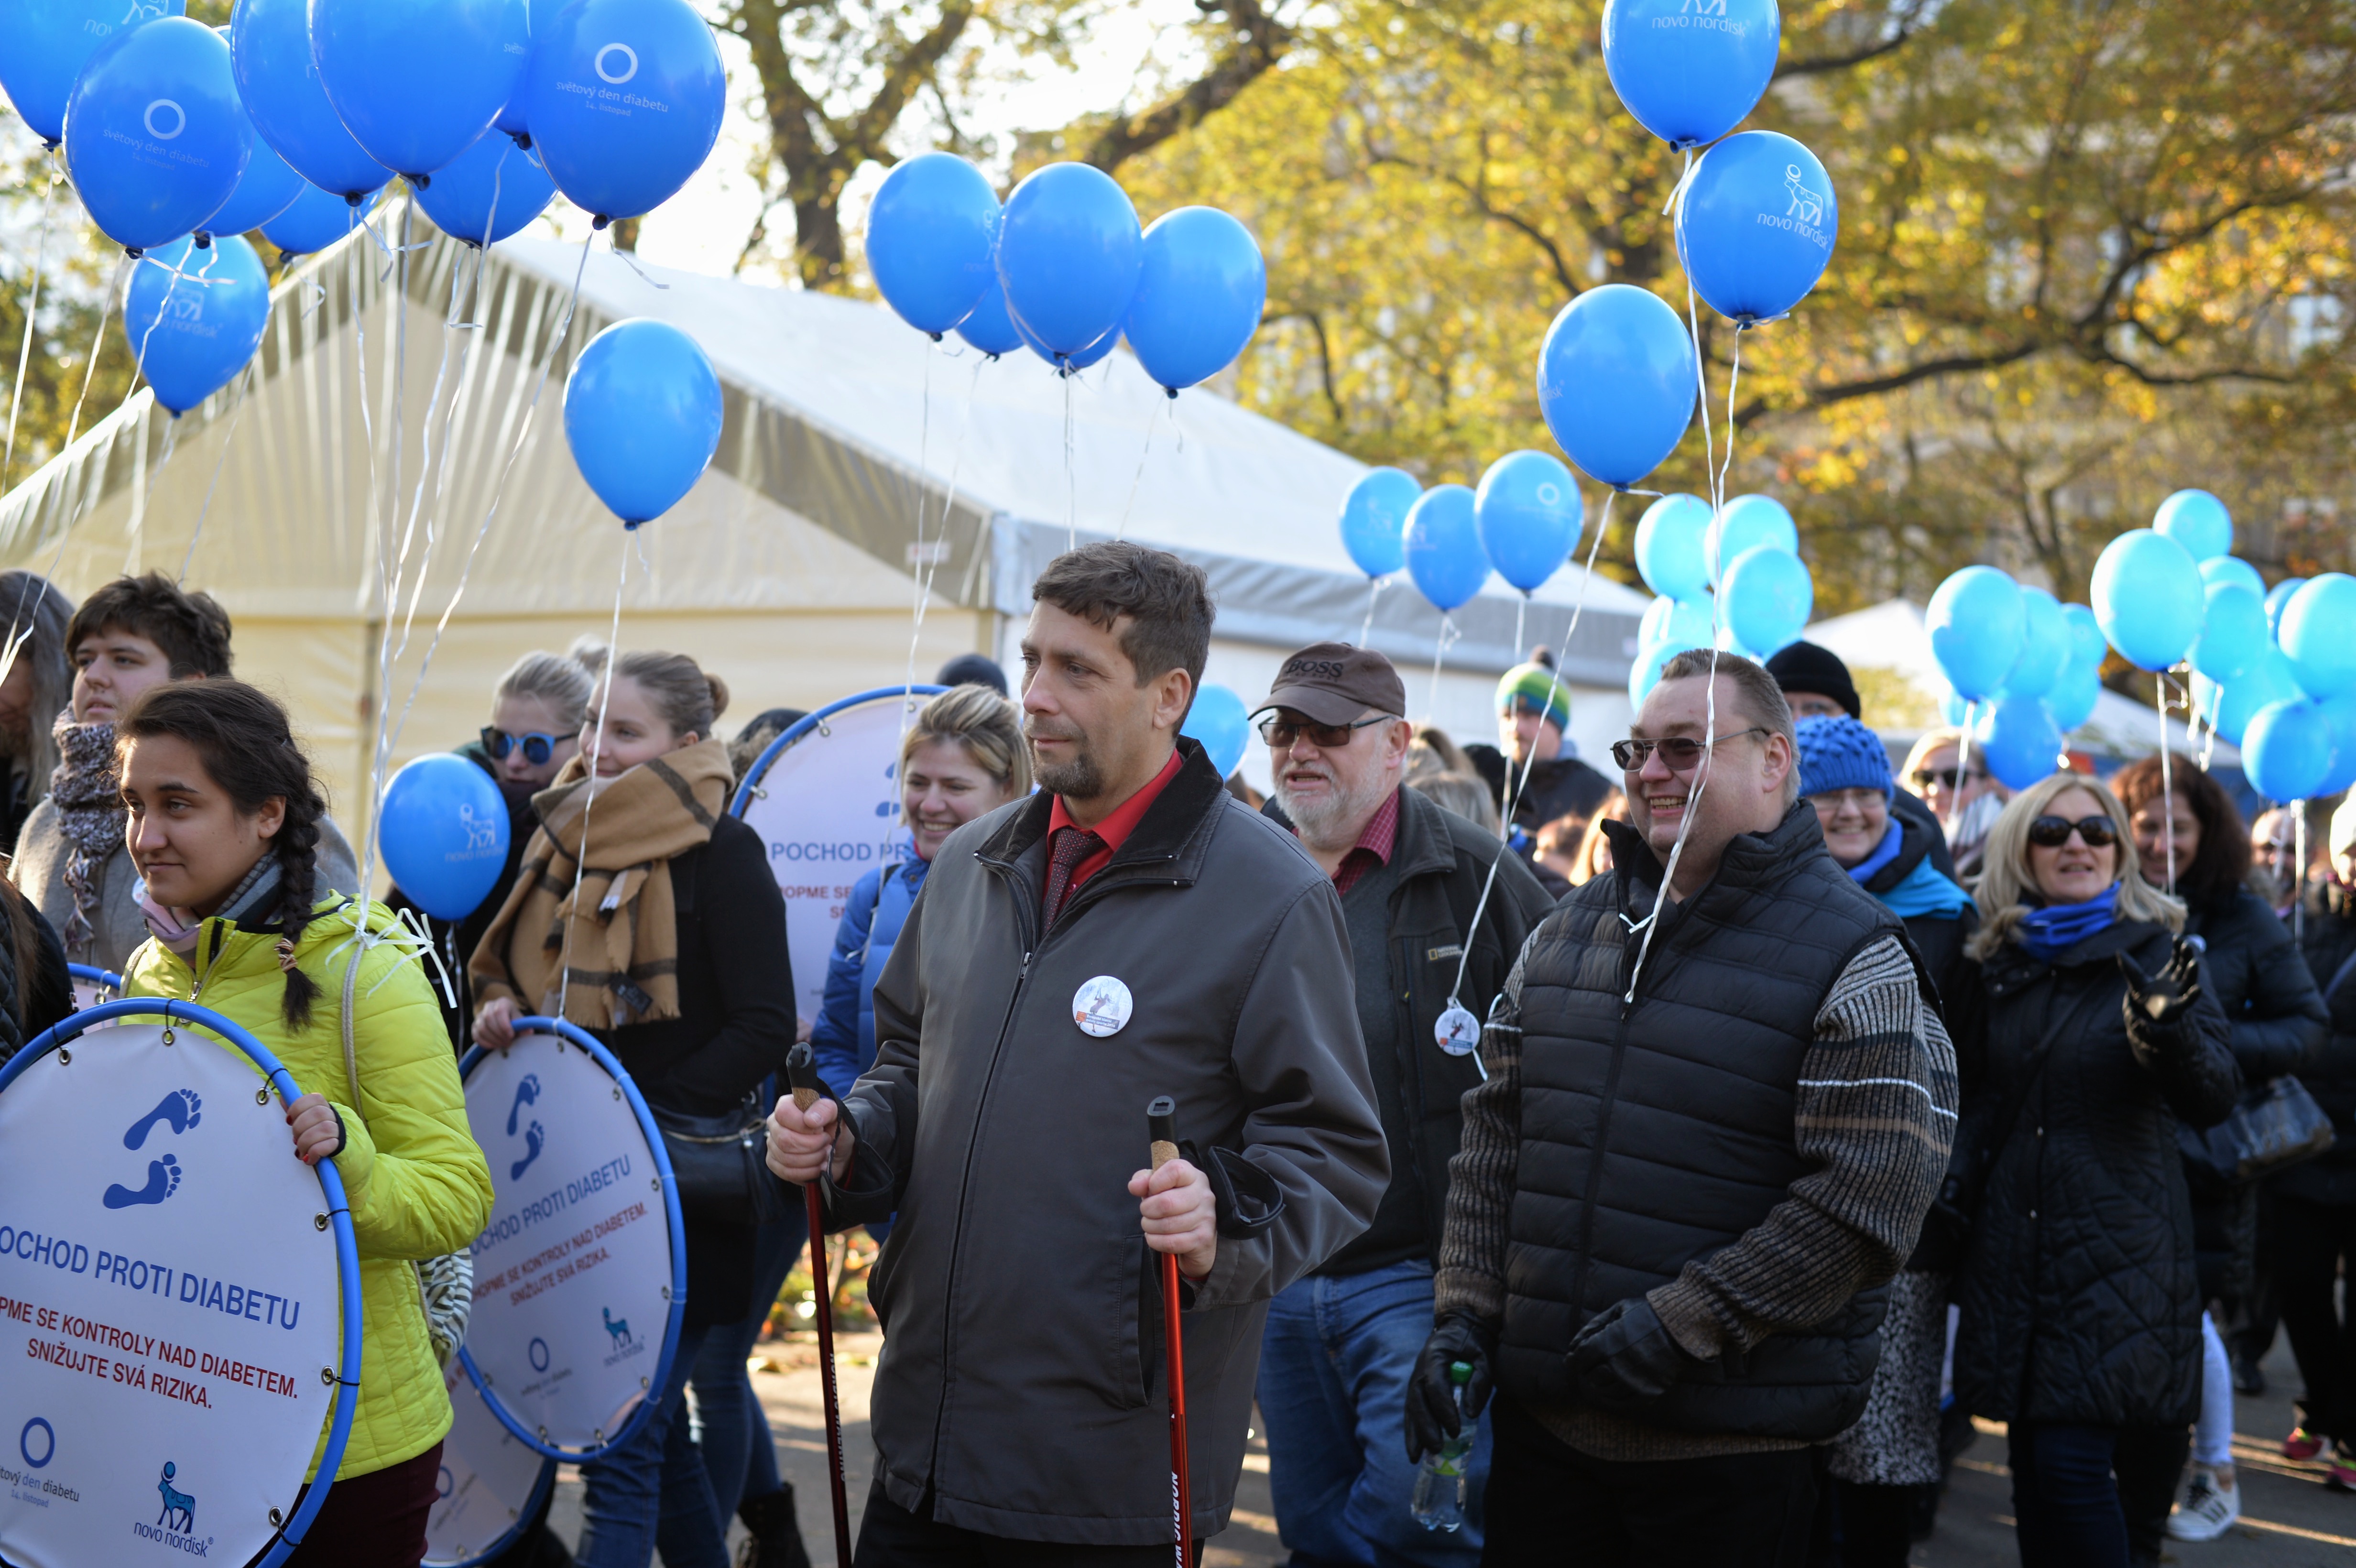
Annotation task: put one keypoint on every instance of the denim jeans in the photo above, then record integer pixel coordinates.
(739, 1453)
(1334, 1370)
(2092, 1496)
(652, 1491)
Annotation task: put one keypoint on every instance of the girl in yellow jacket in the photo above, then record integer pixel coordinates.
(222, 817)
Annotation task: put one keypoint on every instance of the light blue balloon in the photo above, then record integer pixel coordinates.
(1068, 364)
(2019, 739)
(270, 43)
(2197, 520)
(1669, 547)
(1689, 74)
(1769, 595)
(1443, 547)
(2278, 597)
(192, 332)
(2148, 595)
(492, 189)
(2287, 750)
(154, 138)
(642, 413)
(1374, 519)
(1069, 252)
(2230, 708)
(444, 834)
(624, 100)
(2233, 568)
(1674, 624)
(1646, 673)
(1201, 286)
(2341, 712)
(1217, 719)
(2317, 632)
(2232, 632)
(2045, 645)
(49, 43)
(2088, 646)
(1952, 709)
(931, 233)
(2074, 697)
(1530, 514)
(1975, 620)
(989, 328)
(1616, 382)
(511, 118)
(1746, 523)
(314, 220)
(417, 82)
(1755, 225)
(267, 188)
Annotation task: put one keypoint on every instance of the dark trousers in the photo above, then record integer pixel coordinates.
(2310, 1240)
(1862, 1526)
(1549, 1503)
(2093, 1497)
(376, 1521)
(892, 1537)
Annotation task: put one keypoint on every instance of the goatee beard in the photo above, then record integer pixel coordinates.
(1078, 779)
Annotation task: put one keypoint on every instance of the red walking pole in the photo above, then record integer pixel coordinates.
(802, 1071)
(1161, 1120)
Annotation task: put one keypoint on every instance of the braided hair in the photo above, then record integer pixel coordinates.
(242, 737)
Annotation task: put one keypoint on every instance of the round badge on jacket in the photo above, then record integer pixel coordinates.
(1458, 1031)
(1101, 1007)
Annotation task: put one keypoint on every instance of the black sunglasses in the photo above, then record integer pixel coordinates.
(536, 748)
(2053, 832)
(1946, 778)
(1680, 753)
(1281, 732)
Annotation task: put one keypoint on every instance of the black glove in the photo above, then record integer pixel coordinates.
(1625, 1357)
(2168, 995)
(1431, 1413)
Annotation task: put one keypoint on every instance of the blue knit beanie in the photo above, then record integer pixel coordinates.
(1841, 753)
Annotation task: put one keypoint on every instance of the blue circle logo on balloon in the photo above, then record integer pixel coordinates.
(1217, 719)
(1529, 513)
(1443, 547)
(1201, 286)
(642, 414)
(195, 318)
(154, 138)
(1755, 225)
(2148, 595)
(932, 231)
(445, 834)
(416, 82)
(51, 41)
(279, 83)
(619, 151)
(1690, 72)
(1617, 382)
(1069, 252)
(490, 190)
(1374, 519)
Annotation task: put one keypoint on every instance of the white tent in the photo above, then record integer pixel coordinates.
(790, 569)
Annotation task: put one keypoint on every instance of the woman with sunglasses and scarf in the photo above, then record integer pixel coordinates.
(2088, 1031)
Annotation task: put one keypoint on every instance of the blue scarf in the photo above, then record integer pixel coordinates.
(2049, 932)
(1923, 892)
(1894, 840)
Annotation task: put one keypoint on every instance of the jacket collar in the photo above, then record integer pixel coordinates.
(1176, 828)
(1913, 848)
(1424, 844)
(2011, 963)
(1752, 860)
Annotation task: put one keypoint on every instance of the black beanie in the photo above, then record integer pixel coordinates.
(1804, 666)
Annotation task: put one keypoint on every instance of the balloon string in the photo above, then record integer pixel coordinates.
(2166, 782)
(32, 311)
(1448, 635)
(1733, 380)
(425, 466)
(73, 512)
(1954, 812)
(1375, 586)
(392, 562)
(927, 564)
(1071, 476)
(2298, 873)
(589, 800)
(236, 407)
(1139, 478)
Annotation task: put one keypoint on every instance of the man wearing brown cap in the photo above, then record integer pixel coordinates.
(1340, 1343)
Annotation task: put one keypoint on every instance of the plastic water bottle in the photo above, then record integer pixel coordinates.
(1439, 1502)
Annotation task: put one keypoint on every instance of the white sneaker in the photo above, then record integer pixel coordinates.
(2209, 1505)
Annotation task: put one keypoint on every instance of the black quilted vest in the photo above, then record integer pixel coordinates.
(1658, 1133)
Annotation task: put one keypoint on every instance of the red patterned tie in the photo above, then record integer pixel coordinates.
(1072, 846)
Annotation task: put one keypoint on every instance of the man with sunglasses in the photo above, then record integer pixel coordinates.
(1341, 1344)
(1712, 1123)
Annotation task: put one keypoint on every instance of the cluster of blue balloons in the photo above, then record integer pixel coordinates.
(445, 834)
(1523, 522)
(642, 414)
(1731, 579)
(2023, 668)
(1064, 269)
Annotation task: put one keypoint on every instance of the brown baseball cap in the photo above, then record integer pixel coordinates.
(1333, 683)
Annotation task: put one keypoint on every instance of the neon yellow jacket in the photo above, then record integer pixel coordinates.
(416, 1180)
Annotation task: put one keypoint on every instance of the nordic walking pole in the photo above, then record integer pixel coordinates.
(801, 1072)
(1161, 1122)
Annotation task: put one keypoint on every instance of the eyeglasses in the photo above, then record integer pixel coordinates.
(1680, 753)
(1281, 732)
(2053, 832)
(536, 748)
(1946, 778)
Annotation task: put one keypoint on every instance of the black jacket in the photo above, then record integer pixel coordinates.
(2078, 1295)
(35, 992)
(457, 940)
(1909, 808)
(1938, 939)
(2328, 943)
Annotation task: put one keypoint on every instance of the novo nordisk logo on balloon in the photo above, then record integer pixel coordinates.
(615, 64)
(1706, 13)
(1804, 211)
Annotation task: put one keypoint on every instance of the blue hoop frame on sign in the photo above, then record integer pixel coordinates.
(574, 1034)
(807, 722)
(529, 1511)
(339, 1213)
(96, 976)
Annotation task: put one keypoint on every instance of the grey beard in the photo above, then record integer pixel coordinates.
(1320, 823)
(1079, 779)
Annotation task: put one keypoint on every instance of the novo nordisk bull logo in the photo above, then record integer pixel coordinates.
(179, 1509)
(1807, 206)
(626, 1344)
(1804, 208)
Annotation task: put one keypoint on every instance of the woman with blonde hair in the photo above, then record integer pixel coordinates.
(2085, 1031)
(1947, 776)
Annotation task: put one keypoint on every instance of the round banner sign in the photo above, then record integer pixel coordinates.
(171, 1332)
(491, 1481)
(580, 1275)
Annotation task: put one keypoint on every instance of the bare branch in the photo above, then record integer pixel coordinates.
(1257, 40)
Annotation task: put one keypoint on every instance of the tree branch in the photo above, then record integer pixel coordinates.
(1820, 65)
(1257, 41)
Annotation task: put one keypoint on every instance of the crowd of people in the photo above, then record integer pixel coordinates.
(1688, 1148)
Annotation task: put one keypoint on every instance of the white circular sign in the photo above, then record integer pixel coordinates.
(490, 1482)
(627, 71)
(573, 1276)
(1101, 1007)
(179, 120)
(1458, 1031)
(169, 1305)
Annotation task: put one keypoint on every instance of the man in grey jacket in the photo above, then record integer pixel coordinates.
(1132, 931)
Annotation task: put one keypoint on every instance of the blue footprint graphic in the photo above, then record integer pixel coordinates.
(180, 1108)
(163, 1180)
(532, 1140)
(527, 1093)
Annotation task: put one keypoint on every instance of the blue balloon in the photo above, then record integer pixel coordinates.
(1688, 73)
(931, 233)
(1976, 620)
(1374, 519)
(1617, 382)
(2229, 708)
(1530, 516)
(2233, 568)
(1201, 286)
(2045, 647)
(270, 41)
(49, 43)
(1646, 673)
(487, 192)
(315, 220)
(2278, 597)
(1217, 719)
(2198, 521)
(154, 139)
(445, 834)
(1769, 595)
(1669, 547)
(624, 100)
(1746, 523)
(1443, 547)
(1069, 252)
(2232, 632)
(417, 82)
(642, 413)
(1068, 364)
(267, 188)
(2148, 595)
(2088, 646)
(1755, 225)
(2019, 739)
(989, 328)
(2072, 699)
(1952, 709)
(1674, 624)
(2317, 632)
(2287, 750)
(511, 116)
(195, 318)
(2341, 711)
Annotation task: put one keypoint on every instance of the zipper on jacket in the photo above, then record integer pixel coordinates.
(212, 957)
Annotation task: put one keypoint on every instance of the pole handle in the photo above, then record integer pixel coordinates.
(1161, 1128)
(801, 1072)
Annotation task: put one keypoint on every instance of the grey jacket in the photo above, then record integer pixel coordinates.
(39, 873)
(1023, 1382)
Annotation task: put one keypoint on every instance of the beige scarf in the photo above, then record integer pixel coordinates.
(619, 934)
